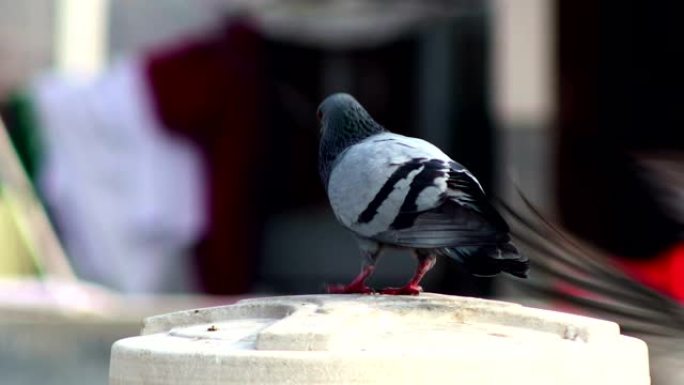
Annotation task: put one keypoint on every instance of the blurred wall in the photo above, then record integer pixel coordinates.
(523, 97)
(26, 45)
(479, 84)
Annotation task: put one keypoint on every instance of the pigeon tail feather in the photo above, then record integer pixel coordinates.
(490, 260)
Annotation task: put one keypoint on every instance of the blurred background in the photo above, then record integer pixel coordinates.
(162, 155)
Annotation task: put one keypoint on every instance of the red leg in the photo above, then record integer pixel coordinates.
(371, 252)
(357, 286)
(425, 263)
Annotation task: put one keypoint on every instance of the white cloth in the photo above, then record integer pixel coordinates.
(128, 196)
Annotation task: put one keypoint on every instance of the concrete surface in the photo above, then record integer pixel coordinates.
(349, 339)
(61, 333)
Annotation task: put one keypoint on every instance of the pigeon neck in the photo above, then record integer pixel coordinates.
(337, 139)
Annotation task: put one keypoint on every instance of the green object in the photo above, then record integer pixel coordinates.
(21, 119)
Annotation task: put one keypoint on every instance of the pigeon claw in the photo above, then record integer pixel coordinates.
(349, 289)
(406, 290)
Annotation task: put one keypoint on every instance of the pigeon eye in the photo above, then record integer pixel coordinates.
(319, 115)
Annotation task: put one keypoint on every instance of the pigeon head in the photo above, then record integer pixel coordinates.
(344, 122)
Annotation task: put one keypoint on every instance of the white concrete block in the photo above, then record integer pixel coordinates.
(349, 339)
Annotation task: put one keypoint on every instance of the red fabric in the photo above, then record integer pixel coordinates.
(209, 90)
(664, 273)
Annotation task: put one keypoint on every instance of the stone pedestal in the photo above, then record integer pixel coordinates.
(349, 339)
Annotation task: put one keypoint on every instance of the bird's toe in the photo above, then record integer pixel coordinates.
(406, 290)
(349, 289)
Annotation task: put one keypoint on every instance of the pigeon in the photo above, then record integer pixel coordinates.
(401, 192)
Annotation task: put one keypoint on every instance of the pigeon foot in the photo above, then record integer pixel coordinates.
(406, 290)
(349, 289)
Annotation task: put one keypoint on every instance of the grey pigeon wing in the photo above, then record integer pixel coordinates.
(462, 217)
(405, 191)
(372, 181)
(466, 190)
(450, 225)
